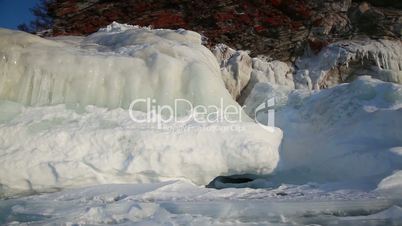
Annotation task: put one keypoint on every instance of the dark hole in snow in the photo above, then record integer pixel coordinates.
(235, 181)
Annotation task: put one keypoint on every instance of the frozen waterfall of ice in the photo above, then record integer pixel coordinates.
(110, 68)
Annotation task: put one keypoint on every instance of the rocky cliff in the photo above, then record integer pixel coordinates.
(280, 29)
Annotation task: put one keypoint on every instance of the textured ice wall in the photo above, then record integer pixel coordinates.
(343, 61)
(109, 68)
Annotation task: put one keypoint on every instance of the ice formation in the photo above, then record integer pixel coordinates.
(272, 72)
(110, 68)
(349, 132)
(343, 61)
(327, 132)
(63, 123)
(268, 79)
(241, 74)
(236, 67)
(392, 185)
(52, 147)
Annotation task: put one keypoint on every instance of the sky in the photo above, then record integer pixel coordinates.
(15, 12)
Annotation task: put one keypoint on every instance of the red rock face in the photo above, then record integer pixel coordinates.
(279, 28)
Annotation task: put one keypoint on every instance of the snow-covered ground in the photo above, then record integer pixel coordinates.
(183, 203)
(70, 152)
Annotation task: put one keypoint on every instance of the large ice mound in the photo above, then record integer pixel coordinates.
(349, 132)
(54, 147)
(63, 123)
(110, 68)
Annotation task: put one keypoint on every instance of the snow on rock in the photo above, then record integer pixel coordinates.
(44, 148)
(110, 68)
(236, 67)
(348, 132)
(343, 61)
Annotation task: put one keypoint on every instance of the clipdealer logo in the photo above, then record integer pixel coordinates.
(183, 111)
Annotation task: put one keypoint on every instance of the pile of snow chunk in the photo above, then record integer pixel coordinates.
(342, 61)
(110, 68)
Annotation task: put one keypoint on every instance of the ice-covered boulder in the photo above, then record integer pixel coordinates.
(45, 148)
(236, 67)
(110, 68)
(345, 60)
